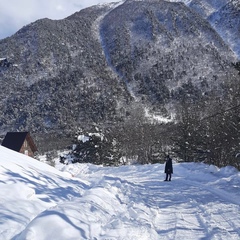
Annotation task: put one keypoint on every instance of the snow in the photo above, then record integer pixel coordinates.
(158, 118)
(84, 201)
(98, 135)
(83, 138)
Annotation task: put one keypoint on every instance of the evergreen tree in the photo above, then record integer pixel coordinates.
(96, 146)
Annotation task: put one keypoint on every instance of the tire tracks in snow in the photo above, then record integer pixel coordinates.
(217, 211)
(182, 206)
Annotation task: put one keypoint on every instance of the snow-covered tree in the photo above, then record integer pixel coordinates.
(96, 146)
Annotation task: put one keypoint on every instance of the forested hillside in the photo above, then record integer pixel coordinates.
(120, 66)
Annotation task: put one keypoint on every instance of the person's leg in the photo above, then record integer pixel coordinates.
(170, 176)
(166, 177)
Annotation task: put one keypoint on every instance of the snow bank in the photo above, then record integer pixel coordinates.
(84, 201)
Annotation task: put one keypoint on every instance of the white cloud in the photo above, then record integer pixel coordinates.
(15, 13)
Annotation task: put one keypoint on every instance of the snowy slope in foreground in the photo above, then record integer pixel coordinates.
(84, 201)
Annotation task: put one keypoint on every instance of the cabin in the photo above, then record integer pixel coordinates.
(20, 142)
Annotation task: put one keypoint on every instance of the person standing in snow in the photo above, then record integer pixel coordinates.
(168, 168)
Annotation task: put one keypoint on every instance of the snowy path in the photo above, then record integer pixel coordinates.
(184, 207)
(171, 210)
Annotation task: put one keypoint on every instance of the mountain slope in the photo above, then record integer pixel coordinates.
(80, 70)
(223, 15)
(59, 75)
(162, 46)
(226, 21)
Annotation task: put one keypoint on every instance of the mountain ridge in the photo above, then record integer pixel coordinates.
(223, 15)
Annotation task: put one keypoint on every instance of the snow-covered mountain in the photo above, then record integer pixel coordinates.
(224, 17)
(226, 21)
(84, 201)
(100, 63)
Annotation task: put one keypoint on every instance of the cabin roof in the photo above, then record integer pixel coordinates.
(15, 140)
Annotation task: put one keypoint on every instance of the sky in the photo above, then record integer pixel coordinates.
(85, 201)
(14, 14)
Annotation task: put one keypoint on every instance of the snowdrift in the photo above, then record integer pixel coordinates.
(83, 201)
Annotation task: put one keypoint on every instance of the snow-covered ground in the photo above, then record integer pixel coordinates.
(83, 201)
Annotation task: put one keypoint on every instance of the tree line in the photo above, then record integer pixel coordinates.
(206, 128)
(213, 139)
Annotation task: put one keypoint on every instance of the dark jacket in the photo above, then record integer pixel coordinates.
(168, 166)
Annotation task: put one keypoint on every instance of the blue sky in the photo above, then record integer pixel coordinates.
(14, 14)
